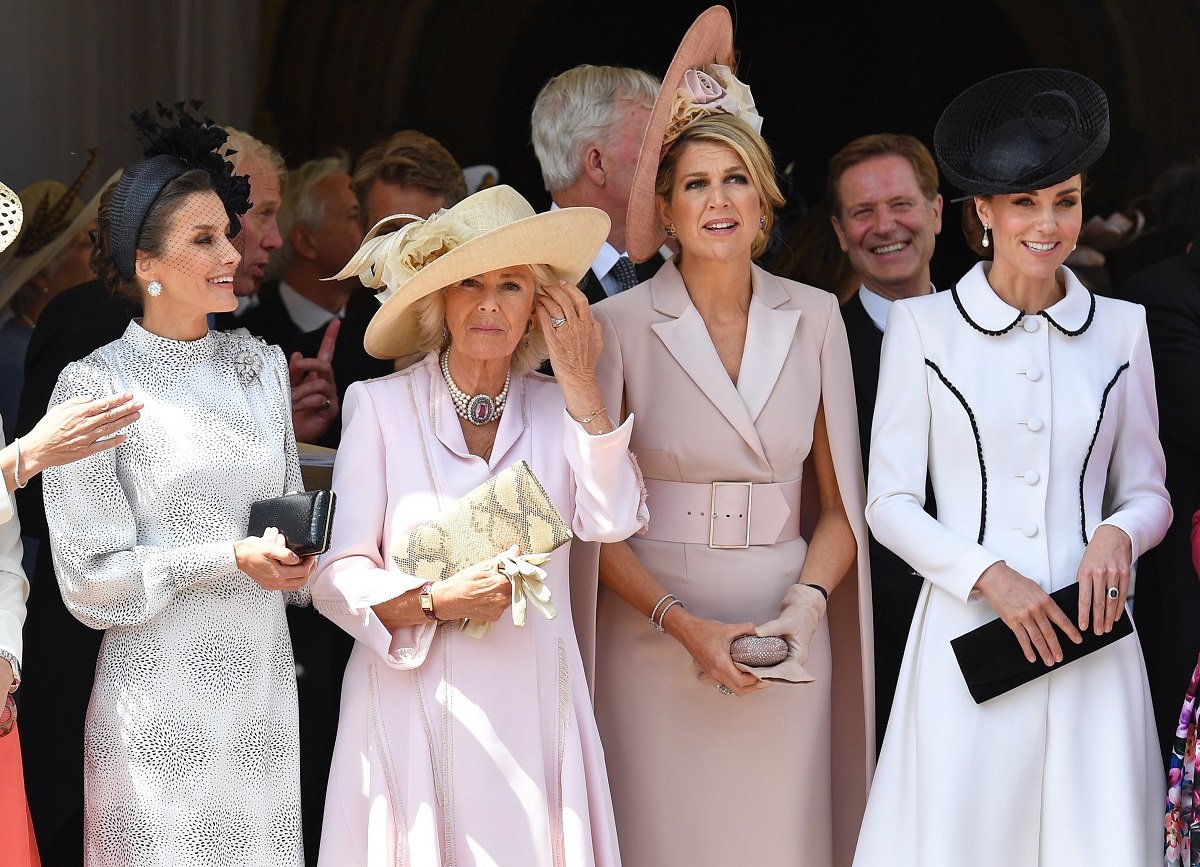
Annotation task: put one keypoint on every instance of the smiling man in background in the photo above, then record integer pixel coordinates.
(887, 213)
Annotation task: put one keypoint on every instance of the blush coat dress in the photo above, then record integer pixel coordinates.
(1036, 428)
(777, 777)
(453, 750)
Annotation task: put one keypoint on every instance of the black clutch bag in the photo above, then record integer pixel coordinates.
(305, 519)
(992, 661)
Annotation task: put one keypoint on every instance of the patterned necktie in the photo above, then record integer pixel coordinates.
(625, 273)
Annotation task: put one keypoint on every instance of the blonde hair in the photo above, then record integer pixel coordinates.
(733, 133)
(531, 350)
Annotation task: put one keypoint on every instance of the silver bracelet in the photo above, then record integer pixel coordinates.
(17, 466)
(16, 667)
(654, 610)
(663, 614)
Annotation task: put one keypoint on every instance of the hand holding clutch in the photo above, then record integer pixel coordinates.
(803, 608)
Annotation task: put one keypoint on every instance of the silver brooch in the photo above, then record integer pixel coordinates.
(248, 365)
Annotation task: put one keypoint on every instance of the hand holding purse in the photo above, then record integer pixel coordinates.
(304, 518)
(803, 608)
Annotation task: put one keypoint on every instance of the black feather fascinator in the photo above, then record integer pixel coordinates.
(174, 141)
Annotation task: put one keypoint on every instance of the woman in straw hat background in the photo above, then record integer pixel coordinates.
(66, 433)
(191, 749)
(453, 749)
(1030, 402)
(742, 387)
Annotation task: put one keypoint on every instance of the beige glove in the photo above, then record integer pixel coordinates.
(801, 612)
(528, 586)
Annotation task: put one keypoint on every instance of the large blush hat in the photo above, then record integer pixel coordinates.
(494, 228)
(699, 82)
(1021, 131)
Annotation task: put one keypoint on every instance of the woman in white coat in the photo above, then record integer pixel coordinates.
(1031, 403)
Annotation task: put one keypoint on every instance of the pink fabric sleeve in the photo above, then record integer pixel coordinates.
(354, 574)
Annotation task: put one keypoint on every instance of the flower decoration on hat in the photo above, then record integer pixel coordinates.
(388, 259)
(196, 145)
(712, 90)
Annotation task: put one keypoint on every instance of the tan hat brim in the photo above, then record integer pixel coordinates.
(566, 240)
(709, 40)
(23, 270)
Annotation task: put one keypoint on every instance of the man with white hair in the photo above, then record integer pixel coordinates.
(588, 124)
(320, 223)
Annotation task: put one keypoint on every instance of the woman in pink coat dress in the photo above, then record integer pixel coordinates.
(453, 749)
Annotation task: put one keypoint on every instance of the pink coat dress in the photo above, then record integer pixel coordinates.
(453, 750)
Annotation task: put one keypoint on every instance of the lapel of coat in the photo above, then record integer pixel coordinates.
(686, 338)
(770, 332)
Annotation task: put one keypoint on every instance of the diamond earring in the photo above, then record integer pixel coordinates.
(987, 242)
(762, 223)
(154, 288)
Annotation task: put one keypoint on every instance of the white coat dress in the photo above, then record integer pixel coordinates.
(1035, 428)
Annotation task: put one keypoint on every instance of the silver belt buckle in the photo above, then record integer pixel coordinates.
(712, 513)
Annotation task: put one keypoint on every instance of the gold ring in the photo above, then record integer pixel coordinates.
(328, 403)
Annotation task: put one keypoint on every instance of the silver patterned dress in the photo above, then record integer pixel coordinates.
(191, 743)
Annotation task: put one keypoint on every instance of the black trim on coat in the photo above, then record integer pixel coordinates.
(978, 443)
(1095, 434)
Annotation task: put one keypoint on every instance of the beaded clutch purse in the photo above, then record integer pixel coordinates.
(511, 508)
(758, 651)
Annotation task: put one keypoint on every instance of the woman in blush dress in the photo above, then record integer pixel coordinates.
(454, 749)
(747, 435)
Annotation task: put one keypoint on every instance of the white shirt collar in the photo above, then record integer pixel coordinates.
(308, 315)
(877, 306)
(603, 264)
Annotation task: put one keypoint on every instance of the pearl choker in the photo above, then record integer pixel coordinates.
(478, 409)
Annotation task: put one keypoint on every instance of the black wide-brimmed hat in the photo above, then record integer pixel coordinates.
(1021, 131)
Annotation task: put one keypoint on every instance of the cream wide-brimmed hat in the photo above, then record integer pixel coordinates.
(11, 217)
(494, 228)
(699, 82)
(21, 267)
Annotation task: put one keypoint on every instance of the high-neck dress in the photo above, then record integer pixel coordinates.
(191, 746)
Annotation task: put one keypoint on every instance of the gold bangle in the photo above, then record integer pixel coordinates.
(587, 419)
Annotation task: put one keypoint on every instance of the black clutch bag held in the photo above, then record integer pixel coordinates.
(304, 518)
(993, 663)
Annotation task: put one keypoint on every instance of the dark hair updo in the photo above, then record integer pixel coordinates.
(153, 235)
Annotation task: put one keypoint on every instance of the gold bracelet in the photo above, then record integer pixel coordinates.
(587, 419)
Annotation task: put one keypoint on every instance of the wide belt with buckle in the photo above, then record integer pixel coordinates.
(723, 514)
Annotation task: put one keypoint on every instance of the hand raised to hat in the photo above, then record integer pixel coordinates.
(574, 340)
(314, 394)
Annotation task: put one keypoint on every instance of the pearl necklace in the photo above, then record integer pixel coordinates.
(478, 409)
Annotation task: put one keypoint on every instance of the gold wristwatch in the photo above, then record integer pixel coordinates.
(426, 598)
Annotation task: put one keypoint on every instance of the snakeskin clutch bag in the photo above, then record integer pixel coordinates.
(511, 508)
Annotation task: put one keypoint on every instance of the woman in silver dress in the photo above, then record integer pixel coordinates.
(191, 746)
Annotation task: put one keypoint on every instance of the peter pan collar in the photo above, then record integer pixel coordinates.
(984, 311)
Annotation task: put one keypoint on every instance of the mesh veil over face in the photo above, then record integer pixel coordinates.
(198, 260)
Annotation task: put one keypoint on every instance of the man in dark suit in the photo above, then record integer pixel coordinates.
(886, 211)
(321, 224)
(1166, 600)
(588, 124)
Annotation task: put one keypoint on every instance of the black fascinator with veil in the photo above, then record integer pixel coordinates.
(1021, 131)
(174, 142)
